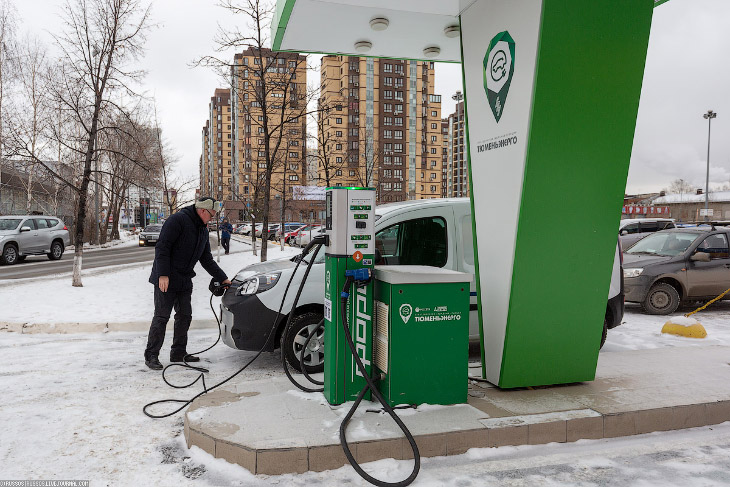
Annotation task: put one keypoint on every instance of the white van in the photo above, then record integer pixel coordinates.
(435, 232)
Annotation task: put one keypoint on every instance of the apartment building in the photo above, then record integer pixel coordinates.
(456, 173)
(382, 126)
(277, 83)
(215, 164)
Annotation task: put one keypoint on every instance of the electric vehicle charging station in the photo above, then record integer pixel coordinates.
(350, 230)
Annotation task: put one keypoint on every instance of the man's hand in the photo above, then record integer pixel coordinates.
(226, 283)
(164, 281)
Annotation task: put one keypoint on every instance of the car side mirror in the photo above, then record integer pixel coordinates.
(700, 256)
(624, 232)
(25, 229)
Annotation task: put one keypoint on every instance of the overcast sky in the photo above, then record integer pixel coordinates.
(687, 73)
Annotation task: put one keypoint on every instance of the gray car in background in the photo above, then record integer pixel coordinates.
(631, 230)
(22, 235)
(150, 235)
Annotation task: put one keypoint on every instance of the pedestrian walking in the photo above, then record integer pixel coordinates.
(183, 242)
(226, 230)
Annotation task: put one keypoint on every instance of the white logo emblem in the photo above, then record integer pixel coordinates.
(327, 281)
(406, 310)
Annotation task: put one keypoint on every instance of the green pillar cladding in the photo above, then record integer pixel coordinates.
(552, 92)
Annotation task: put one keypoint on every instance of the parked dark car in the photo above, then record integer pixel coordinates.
(671, 266)
(631, 230)
(150, 235)
(21, 236)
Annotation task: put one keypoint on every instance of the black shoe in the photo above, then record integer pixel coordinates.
(153, 363)
(188, 358)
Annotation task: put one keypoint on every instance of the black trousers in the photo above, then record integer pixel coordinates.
(226, 243)
(164, 304)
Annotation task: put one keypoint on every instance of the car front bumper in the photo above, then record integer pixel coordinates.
(636, 288)
(247, 323)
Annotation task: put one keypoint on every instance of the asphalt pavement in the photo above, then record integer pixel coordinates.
(40, 266)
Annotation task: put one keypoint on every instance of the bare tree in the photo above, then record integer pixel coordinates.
(7, 44)
(680, 186)
(278, 98)
(100, 38)
(35, 103)
(329, 158)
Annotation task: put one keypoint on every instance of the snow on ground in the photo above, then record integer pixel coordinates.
(121, 296)
(72, 407)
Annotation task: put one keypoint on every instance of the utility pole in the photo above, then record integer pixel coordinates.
(708, 116)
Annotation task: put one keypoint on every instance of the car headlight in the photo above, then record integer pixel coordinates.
(258, 283)
(634, 272)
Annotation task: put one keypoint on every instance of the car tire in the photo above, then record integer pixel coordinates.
(9, 255)
(605, 333)
(293, 339)
(662, 299)
(56, 251)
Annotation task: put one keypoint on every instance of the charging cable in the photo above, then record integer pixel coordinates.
(361, 277)
(272, 331)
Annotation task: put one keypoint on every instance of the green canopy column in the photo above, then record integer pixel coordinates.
(552, 92)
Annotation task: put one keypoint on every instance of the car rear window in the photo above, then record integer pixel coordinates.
(51, 222)
(41, 223)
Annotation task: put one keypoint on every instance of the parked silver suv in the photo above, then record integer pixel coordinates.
(22, 235)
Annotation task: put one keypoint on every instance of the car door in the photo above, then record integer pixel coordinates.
(43, 239)
(465, 262)
(710, 278)
(27, 241)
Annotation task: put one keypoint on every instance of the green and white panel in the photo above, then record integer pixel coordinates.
(552, 90)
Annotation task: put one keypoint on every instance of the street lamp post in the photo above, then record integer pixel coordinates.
(709, 116)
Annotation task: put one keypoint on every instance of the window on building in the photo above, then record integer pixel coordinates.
(388, 107)
(256, 60)
(338, 146)
(338, 159)
(388, 68)
(433, 138)
(399, 95)
(353, 145)
(398, 147)
(399, 120)
(433, 150)
(388, 147)
(398, 134)
(433, 125)
(388, 81)
(245, 61)
(434, 113)
(352, 172)
(293, 177)
(398, 173)
(338, 172)
(338, 133)
(388, 94)
(388, 134)
(338, 120)
(292, 64)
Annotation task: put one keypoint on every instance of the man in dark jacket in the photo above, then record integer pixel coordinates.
(226, 230)
(182, 243)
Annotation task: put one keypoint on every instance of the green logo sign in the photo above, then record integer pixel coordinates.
(499, 65)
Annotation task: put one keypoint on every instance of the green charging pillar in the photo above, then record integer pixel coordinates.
(350, 227)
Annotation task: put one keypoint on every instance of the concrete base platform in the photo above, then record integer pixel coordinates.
(270, 427)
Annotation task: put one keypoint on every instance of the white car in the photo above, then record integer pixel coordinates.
(306, 236)
(249, 307)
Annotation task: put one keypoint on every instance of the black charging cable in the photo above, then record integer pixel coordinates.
(302, 366)
(344, 296)
(272, 331)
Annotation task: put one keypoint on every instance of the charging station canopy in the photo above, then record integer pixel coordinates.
(336, 26)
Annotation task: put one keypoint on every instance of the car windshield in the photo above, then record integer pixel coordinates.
(153, 228)
(664, 243)
(9, 223)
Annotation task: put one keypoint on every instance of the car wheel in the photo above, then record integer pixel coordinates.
(605, 333)
(662, 299)
(293, 339)
(9, 255)
(56, 251)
